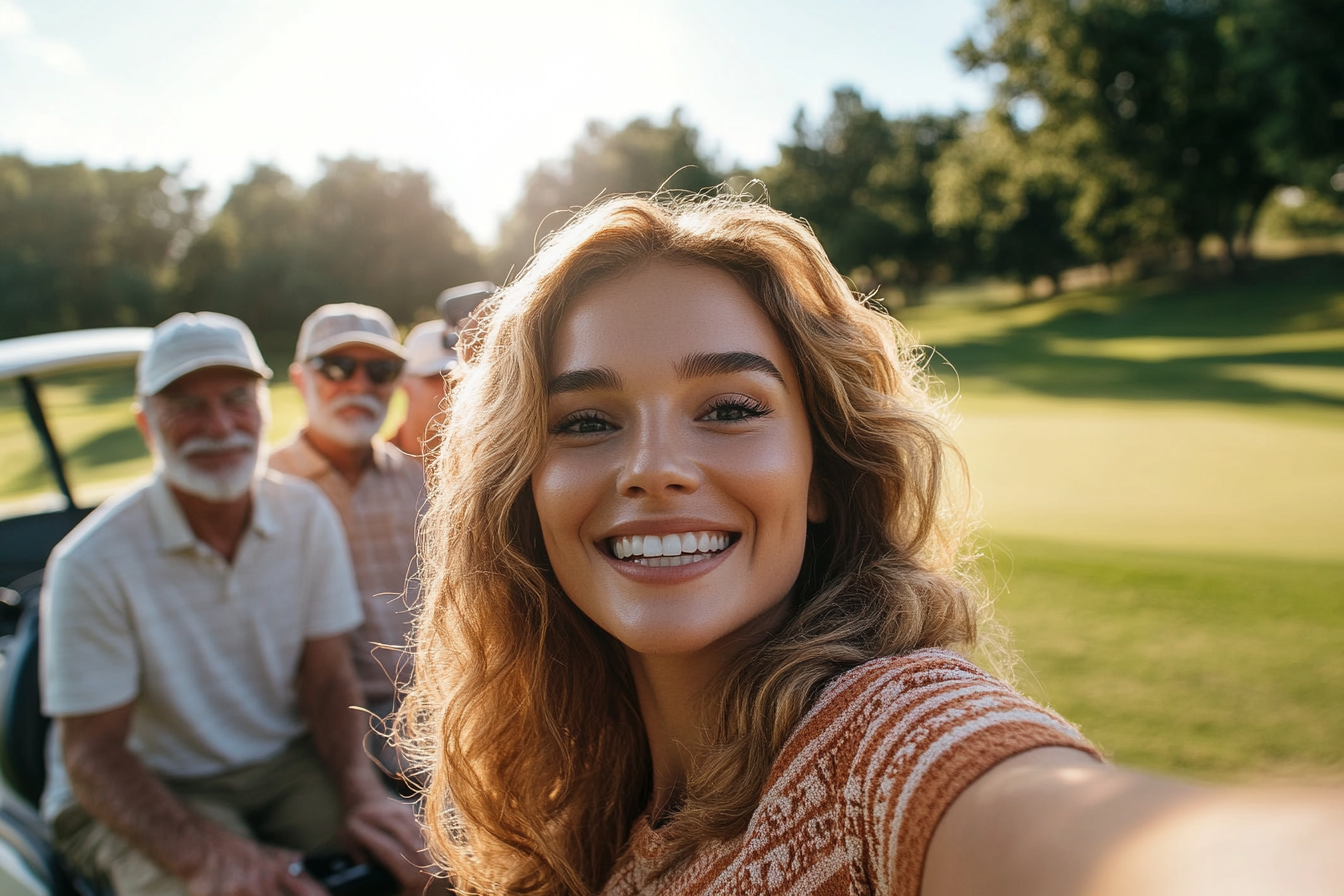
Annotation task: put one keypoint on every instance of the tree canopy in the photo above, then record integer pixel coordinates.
(640, 157)
(1203, 105)
(1121, 131)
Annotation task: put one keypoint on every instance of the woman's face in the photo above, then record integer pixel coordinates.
(676, 490)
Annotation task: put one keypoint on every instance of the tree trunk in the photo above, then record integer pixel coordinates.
(1248, 227)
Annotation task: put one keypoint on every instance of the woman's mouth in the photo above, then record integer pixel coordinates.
(673, 549)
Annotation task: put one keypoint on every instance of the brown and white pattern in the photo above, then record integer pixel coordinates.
(379, 515)
(855, 795)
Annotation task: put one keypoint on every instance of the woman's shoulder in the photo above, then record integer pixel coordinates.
(891, 676)
(927, 701)
(896, 739)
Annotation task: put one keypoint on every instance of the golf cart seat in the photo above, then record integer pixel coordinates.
(23, 757)
(23, 727)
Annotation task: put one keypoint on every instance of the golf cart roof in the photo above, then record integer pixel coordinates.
(61, 352)
(26, 539)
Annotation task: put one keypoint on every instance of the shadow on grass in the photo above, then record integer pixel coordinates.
(1025, 360)
(1296, 296)
(105, 449)
(111, 447)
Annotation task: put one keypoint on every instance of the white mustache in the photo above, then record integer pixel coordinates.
(207, 445)
(368, 403)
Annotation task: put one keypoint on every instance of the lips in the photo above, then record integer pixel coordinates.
(672, 549)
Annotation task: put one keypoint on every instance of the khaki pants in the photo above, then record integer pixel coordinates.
(287, 801)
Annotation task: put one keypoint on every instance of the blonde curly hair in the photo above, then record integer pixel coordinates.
(522, 714)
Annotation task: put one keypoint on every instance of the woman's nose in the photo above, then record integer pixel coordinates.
(658, 462)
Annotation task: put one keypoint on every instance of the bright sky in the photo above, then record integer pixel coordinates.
(478, 92)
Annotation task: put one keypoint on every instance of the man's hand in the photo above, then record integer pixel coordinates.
(116, 788)
(235, 866)
(376, 824)
(383, 828)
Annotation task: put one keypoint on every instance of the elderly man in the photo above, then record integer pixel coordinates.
(195, 654)
(346, 366)
(431, 356)
(433, 351)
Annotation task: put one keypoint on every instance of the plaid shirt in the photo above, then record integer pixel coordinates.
(380, 513)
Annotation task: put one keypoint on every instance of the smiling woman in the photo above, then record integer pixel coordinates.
(698, 586)
(675, 436)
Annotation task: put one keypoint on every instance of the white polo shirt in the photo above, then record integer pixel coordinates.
(135, 608)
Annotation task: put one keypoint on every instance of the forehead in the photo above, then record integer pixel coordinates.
(210, 380)
(664, 311)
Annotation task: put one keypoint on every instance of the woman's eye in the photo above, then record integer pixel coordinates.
(730, 410)
(583, 424)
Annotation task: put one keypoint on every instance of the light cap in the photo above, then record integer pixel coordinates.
(347, 323)
(189, 342)
(429, 349)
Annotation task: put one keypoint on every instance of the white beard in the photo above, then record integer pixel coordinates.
(352, 432)
(217, 486)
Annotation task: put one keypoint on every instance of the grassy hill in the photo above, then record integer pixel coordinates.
(1162, 474)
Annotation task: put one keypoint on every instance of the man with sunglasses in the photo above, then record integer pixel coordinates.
(346, 366)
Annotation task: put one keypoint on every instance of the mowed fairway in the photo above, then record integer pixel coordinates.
(1172, 476)
(1162, 479)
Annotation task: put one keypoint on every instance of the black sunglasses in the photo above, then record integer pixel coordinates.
(339, 368)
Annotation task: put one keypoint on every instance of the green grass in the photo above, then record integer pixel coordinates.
(1162, 474)
(1215, 667)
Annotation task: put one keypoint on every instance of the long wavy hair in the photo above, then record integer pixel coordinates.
(523, 715)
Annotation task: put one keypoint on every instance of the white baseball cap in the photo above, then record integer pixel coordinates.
(347, 323)
(429, 349)
(188, 342)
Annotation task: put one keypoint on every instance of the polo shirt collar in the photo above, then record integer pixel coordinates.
(173, 530)
(312, 464)
(170, 523)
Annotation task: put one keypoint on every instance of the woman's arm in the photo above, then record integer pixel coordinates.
(1053, 821)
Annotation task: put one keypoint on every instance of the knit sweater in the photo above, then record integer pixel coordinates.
(853, 799)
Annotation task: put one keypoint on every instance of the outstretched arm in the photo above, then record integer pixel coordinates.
(375, 822)
(117, 789)
(1052, 821)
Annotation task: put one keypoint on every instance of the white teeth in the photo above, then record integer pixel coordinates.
(668, 550)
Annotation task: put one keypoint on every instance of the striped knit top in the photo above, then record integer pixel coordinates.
(853, 799)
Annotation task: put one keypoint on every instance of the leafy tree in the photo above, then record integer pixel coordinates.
(1211, 103)
(242, 264)
(362, 233)
(378, 236)
(862, 183)
(1013, 200)
(640, 157)
(88, 247)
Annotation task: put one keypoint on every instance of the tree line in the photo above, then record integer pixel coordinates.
(1121, 132)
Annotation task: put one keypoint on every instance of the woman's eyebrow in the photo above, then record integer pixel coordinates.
(588, 379)
(702, 364)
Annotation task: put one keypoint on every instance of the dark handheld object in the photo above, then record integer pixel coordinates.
(455, 305)
(343, 876)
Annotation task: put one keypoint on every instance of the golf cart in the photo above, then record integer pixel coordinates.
(28, 865)
(29, 529)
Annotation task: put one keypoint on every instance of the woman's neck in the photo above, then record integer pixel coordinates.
(671, 691)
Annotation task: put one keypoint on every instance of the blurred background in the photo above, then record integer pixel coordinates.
(1117, 224)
